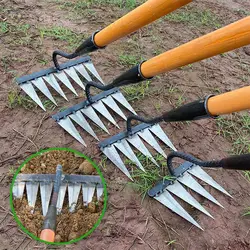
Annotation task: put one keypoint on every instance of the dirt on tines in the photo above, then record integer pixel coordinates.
(69, 225)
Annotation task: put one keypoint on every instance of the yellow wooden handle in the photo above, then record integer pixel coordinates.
(139, 17)
(233, 101)
(225, 39)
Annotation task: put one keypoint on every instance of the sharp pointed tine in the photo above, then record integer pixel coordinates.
(148, 137)
(80, 68)
(158, 131)
(113, 156)
(124, 147)
(45, 192)
(92, 69)
(99, 106)
(30, 91)
(178, 190)
(67, 124)
(51, 80)
(118, 96)
(167, 200)
(61, 196)
(109, 101)
(18, 189)
(190, 182)
(81, 121)
(64, 79)
(72, 73)
(32, 189)
(91, 114)
(40, 84)
(73, 193)
(99, 192)
(138, 144)
(88, 191)
(202, 175)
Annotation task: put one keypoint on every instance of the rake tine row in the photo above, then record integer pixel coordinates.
(88, 184)
(122, 143)
(83, 110)
(68, 72)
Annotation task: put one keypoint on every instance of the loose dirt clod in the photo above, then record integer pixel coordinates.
(87, 168)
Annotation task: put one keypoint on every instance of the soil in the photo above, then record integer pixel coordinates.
(128, 223)
(69, 225)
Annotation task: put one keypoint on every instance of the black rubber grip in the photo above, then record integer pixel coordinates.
(239, 162)
(191, 111)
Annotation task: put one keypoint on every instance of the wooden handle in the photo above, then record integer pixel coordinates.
(233, 101)
(225, 39)
(139, 17)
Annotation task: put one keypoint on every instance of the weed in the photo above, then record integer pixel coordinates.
(181, 100)
(171, 242)
(195, 17)
(12, 170)
(43, 62)
(137, 92)
(243, 12)
(129, 60)
(3, 27)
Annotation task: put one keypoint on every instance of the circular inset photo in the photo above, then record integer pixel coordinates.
(58, 196)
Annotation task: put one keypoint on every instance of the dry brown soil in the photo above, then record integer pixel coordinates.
(69, 225)
(128, 223)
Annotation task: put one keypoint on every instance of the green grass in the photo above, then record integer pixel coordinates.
(129, 60)
(143, 181)
(136, 92)
(194, 17)
(247, 212)
(63, 34)
(3, 27)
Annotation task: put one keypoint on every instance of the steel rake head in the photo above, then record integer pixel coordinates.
(184, 177)
(90, 185)
(76, 71)
(124, 143)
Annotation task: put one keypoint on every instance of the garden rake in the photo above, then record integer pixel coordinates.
(211, 106)
(77, 71)
(184, 175)
(90, 185)
(225, 39)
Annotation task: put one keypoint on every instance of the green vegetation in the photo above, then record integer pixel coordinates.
(194, 17)
(129, 60)
(247, 212)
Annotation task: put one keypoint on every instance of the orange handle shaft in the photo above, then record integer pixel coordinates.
(225, 39)
(139, 17)
(47, 235)
(233, 101)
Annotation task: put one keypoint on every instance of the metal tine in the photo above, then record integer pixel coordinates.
(81, 121)
(113, 156)
(73, 193)
(72, 73)
(30, 91)
(109, 101)
(124, 147)
(45, 192)
(99, 106)
(118, 96)
(91, 114)
(61, 196)
(167, 200)
(99, 191)
(80, 68)
(18, 189)
(202, 175)
(148, 137)
(51, 80)
(32, 190)
(190, 182)
(138, 144)
(90, 66)
(158, 131)
(67, 124)
(88, 191)
(64, 79)
(40, 84)
(178, 190)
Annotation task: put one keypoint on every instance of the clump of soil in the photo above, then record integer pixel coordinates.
(69, 225)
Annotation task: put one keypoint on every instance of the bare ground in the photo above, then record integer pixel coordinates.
(128, 224)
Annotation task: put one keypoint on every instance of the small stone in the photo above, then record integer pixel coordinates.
(86, 167)
(92, 207)
(32, 166)
(58, 238)
(72, 236)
